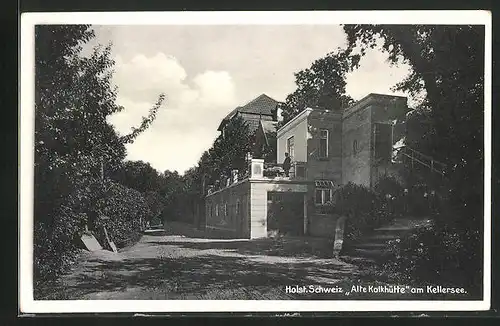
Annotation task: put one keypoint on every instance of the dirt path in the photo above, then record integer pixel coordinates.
(174, 267)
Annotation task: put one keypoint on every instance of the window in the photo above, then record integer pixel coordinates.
(216, 210)
(323, 143)
(323, 196)
(324, 192)
(290, 147)
(355, 147)
(237, 207)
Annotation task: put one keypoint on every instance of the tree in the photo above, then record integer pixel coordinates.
(228, 152)
(139, 175)
(234, 146)
(73, 99)
(448, 66)
(155, 203)
(172, 192)
(322, 85)
(448, 69)
(73, 140)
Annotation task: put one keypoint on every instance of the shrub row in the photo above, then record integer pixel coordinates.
(434, 254)
(57, 243)
(431, 254)
(367, 209)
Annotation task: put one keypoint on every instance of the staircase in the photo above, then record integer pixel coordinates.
(372, 248)
(414, 158)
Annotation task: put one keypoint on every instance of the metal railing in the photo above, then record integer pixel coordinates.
(416, 157)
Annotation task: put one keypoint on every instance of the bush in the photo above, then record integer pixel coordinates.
(434, 254)
(126, 210)
(155, 203)
(56, 243)
(391, 195)
(368, 209)
(52, 255)
(363, 209)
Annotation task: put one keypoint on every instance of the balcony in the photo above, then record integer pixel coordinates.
(275, 171)
(258, 169)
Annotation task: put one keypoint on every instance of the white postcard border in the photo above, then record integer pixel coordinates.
(26, 155)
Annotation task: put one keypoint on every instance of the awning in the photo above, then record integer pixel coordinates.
(323, 183)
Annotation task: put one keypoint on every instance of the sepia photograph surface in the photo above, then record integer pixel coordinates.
(314, 161)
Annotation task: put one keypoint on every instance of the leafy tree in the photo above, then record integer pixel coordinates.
(268, 153)
(73, 140)
(172, 191)
(127, 211)
(155, 202)
(139, 175)
(142, 177)
(145, 123)
(448, 66)
(448, 69)
(184, 193)
(73, 98)
(234, 146)
(228, 152)
(322, 85)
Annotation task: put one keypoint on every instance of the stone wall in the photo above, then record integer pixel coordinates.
(329, 168)
(258, 206)
(356, 159)
(384, 110)
(228, 210)
(298, 129)
(249, 220)
(358, 125)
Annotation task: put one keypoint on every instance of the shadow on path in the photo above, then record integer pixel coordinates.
(176, 267)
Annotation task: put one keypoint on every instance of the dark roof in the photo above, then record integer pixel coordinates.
(263, 104)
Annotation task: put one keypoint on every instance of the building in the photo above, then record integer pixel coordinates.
(261, 116)
(262, 108)
(329, 148)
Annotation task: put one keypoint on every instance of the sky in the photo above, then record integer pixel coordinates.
(207, 71)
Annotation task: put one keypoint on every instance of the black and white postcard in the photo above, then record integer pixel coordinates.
(255, 161)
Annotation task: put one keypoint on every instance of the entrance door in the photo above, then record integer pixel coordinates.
(285, 212)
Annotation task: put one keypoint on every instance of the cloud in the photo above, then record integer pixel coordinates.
(198, 68)
(186, 124)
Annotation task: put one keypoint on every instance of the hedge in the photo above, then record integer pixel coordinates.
(433, 255)
(56, 244)
(364, 209)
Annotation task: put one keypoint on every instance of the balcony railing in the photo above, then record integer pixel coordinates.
(259, 169)
(275, 170)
